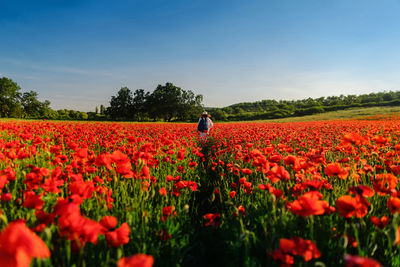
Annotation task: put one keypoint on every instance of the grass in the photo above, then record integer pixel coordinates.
(354, 113)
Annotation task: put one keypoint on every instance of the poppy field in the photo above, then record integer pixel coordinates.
(253, 194)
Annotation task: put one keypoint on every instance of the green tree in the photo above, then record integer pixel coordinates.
(121, 104)
(238, 110)
(227, 110)
(73, 114)
(9, 98)
(102, 109)
(139, 104)
(32, 107)
(51, 114)
(162, 102)
(63, 114)
(169, 102)
(82, 115)
(219, 114)
(189, 106)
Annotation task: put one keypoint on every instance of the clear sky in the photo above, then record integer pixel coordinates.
(77, 54)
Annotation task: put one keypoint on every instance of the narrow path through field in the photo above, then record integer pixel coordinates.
(207, 246)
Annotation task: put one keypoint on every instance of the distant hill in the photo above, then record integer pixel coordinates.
(272, 109)
(369, 113)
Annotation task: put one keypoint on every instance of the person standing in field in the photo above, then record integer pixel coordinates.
(204, 125)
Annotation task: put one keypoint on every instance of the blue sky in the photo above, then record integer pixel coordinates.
(77, 54)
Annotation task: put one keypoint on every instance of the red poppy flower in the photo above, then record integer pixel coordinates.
(145, 172)
(278, 173)
(308, 204)
(334, 169)
(18, 245)
(119, 236)
(109, 222)
(358, 261)
(82, 153)
(276, 192)
(6, 197)
(181, 154)
(213, 219)
(355, 139)
(83, 189)
(394, 204)
(33, 201)
(104, 160)
(349, 206)
(380, 223)
(241, 210)
(247, 171)
(385, 183)
(167, 212)
(163, 191)
(137, 260)
(52, 185)
(295, 246)
(362, 190)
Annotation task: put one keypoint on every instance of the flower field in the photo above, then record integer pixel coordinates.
(254, 194)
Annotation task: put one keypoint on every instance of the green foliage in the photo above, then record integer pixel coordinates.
(272, 109)
(65, 114)
(171, 103)
(9, 98)
(102, 109)
(309, 111)
(121, 104)
(167, 102)
(92, 116)
(139, 104)
(32, 107)
(14, 104)
(220, 115)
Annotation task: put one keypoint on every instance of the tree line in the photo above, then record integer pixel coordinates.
(166, 103)
(171, 103)
(273, 109)
(15, 104)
